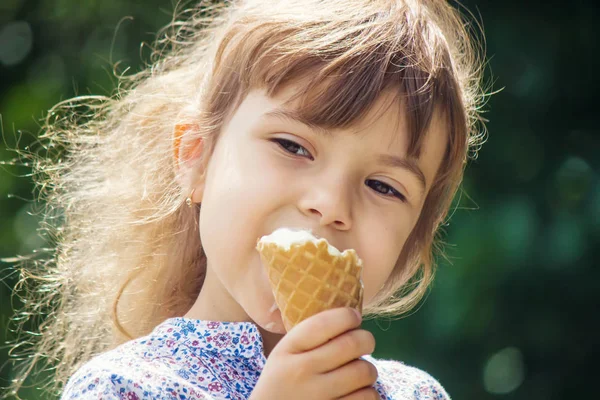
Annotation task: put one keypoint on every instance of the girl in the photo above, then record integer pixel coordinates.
(352, 118)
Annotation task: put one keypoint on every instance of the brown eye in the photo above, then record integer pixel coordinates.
(384, 189)
(293, 148)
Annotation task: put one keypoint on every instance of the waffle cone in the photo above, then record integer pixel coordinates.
(306, 279)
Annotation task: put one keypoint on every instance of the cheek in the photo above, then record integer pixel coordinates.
(237, 196)
(239, 175)
(380, 256)
(377, 269)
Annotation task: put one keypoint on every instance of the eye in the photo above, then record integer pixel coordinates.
(385, 189)
(293, 148)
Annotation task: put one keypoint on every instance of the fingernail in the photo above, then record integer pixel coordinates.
(358, 314)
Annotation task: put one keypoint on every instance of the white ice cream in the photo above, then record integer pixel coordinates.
(285, 237)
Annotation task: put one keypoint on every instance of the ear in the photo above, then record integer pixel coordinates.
(187, 157)
(186, 150)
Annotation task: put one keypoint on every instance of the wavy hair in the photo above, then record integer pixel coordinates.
(126, 253)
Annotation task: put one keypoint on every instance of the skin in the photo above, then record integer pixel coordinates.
(256, 181)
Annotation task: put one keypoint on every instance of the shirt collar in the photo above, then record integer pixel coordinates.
(229, 339)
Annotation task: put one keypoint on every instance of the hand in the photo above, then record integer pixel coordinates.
(319, 360)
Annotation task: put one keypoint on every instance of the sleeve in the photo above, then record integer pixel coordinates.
(398, 381)
(429, 388)
(95, 382)
(91, 383)
(88, 383)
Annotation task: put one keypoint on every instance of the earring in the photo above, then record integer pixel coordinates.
(188, 200)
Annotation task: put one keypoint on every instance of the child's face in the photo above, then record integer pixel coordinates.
(268, 172)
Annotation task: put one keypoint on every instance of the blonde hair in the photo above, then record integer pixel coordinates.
(127, 252)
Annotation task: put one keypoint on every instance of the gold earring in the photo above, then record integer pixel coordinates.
(188, 200)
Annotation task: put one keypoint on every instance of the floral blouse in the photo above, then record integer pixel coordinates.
(186, 358)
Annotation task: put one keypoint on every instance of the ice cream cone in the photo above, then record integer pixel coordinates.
(308, 275)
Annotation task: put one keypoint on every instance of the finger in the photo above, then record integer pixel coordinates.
(342, 349)
(319, 329)
(367, 393)
(351, 377)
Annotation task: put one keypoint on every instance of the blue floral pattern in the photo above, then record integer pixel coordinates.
(192, 359)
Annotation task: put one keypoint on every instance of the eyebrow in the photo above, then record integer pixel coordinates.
(384, 159)
(293, 116)
(406, 164)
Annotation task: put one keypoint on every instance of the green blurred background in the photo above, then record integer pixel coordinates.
(515, 316)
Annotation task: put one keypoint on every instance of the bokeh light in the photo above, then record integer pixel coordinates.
(504, 371)
(16, 41)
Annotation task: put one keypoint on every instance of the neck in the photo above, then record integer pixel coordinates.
(270, 340)
(214, 303)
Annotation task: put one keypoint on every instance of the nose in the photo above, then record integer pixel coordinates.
(330, 202)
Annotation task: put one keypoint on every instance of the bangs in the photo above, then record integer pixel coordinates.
(341, 100)
(342, 69)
